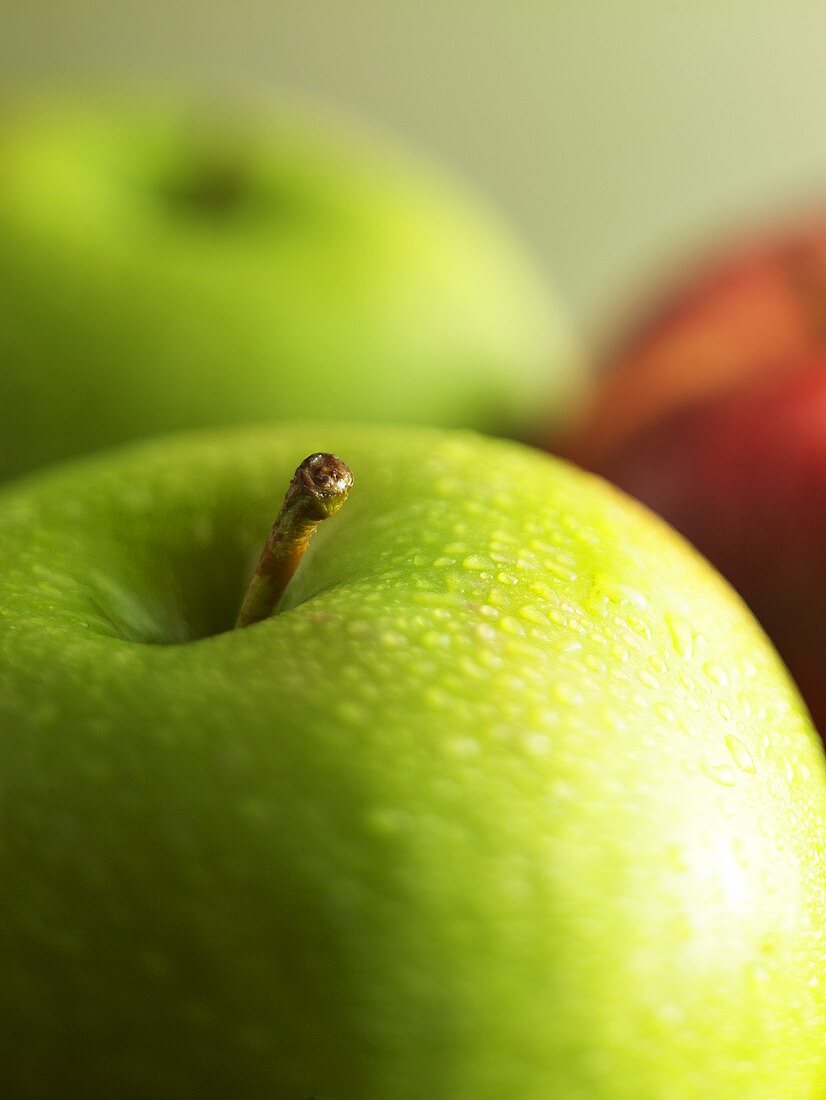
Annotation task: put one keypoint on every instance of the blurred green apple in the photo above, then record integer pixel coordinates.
(511, 798)
(164, 265)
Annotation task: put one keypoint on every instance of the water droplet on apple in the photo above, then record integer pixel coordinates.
(665, 711)
(538, 744)
(388, 821)
(594, 663)
(533, 615)
(556, 568)
(350, 712)
(716, 673)
(682, 635)
(566, 694)
(671, 1015)
(720, 773)
(605, 590)
(562, 790)
(740, 754)
(463, 748)
(475, 562)
(512, 626)
(614, 720)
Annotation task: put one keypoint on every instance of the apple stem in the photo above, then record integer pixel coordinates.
(319, 488)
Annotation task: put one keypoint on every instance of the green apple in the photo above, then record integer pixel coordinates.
(166, 266)
(510, 798)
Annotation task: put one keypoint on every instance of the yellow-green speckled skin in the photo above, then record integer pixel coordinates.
(320, 273)
(512, 800)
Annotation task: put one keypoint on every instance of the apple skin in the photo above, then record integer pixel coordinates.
(166, 264)
(513, 798)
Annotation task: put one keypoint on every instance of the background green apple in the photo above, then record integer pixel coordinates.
(513, 798)
(164, 265)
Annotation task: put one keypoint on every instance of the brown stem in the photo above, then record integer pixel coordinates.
(319, 488)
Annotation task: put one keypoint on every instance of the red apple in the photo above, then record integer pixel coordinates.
(714, 414)
(751, 312)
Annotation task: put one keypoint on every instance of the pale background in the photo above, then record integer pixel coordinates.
(616, 135)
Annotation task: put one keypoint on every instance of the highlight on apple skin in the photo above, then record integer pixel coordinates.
(167, 264)
(713, 412)
(511, 797)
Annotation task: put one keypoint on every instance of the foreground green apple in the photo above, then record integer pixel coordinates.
(511, 798)
(165, 267)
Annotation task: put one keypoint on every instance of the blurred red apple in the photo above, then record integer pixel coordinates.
(714, 414)
(753, 311)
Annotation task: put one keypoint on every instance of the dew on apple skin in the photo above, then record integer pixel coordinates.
(639, 627)
(512, 626)
(475, 562)
(670, 1015)
(757, 976)
(388, 821)
(723, 774)
(463, 748)
(688, 684)
(716, 673)
(740, 754)
(606, 591)
(538, 745)
(349, 712)
(437, 699)
(595, 664)
(484, 632)
(665, 711)
(563, 790)
(725, 711)
(490, 660)
(470, 667)
(557, 569)
(682, 635)
(645, 676)
(566, 695)
(533, 615)
(676, 858)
